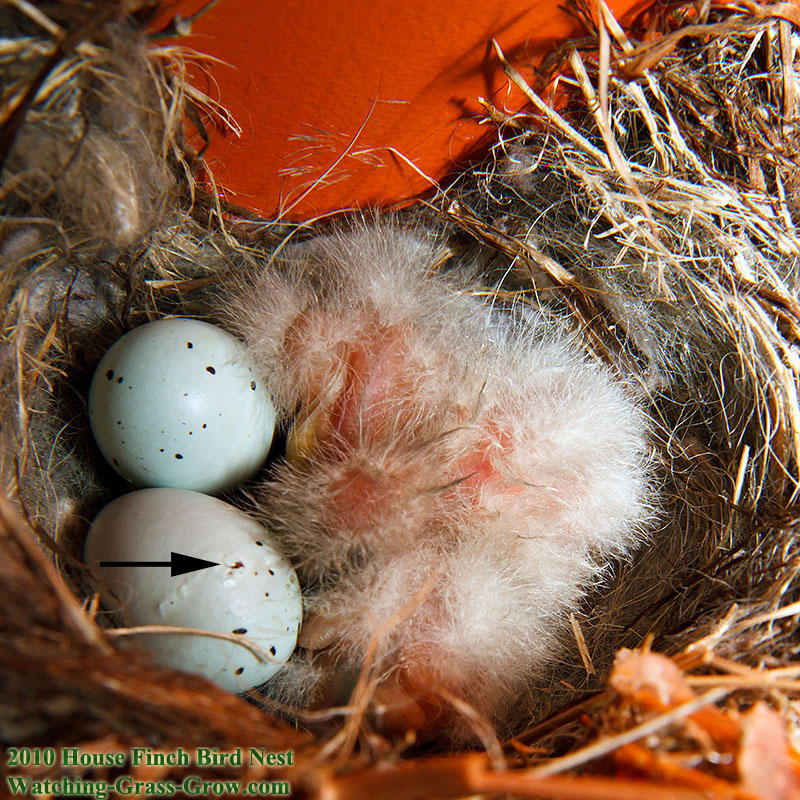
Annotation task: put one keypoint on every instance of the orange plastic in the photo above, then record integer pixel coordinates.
(360, 102)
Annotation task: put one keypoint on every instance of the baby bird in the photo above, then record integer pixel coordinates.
(455, 477)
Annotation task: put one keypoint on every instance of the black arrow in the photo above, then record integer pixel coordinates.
(179, 564)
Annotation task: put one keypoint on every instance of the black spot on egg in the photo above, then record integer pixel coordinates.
(240, 670)
(270, 572)
(120, 379)
(115, 462)
(178, 456)
(253, 385)
(211, 370)
(239, 631)
(189, 345)
(260, 544)
(161, 450)
(272, 650)
(266, 594)
(110, 374)
(204, 425)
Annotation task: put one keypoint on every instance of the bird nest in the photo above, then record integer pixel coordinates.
(649, 205)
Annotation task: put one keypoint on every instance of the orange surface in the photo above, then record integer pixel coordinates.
(336, 100)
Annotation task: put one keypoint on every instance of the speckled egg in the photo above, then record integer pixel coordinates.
(176, 403)
(252, 593)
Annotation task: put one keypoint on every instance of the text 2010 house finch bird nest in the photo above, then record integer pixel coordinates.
(542, 429)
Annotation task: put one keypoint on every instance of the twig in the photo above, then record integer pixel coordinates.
(610, 743)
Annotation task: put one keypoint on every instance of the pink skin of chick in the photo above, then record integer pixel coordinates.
(456, 478)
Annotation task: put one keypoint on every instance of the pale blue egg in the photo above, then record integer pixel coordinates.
(251, 593)
(177, 403)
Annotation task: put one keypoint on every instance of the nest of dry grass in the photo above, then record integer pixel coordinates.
(654, 211)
